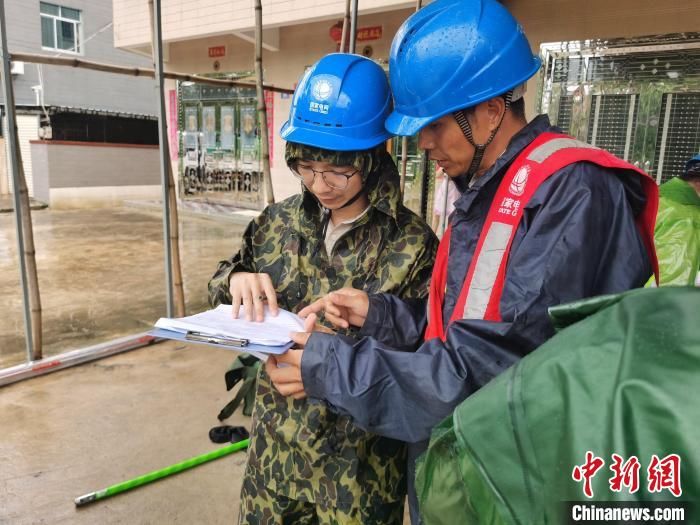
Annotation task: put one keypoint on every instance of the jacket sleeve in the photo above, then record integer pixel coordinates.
(242, 261)
(397, 322)
(585, 244)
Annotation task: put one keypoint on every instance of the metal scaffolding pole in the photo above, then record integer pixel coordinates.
(353, 26)
(404, 164)
(75, 357)
(79, 63)
(261, 106)
(164, 160)
(346, 28)
(14, 168)
(404, 142)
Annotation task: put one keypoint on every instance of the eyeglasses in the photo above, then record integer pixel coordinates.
(332, 178)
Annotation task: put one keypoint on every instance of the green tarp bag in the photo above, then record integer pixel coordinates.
(677, 233)
(622, 378)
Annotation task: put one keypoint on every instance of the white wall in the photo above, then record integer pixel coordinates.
(27, 129)
(187, 19)
(83, 174)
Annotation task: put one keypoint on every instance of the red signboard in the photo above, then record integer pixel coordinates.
(363, 33)
(217, 51)
(369, 33)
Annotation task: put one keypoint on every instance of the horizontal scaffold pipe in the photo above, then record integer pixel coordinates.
(134, 71)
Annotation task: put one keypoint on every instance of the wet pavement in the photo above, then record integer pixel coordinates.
(101, 273)
(85, 428)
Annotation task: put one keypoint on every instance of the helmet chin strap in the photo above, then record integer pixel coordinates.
(327, 213)
(353, 198)
(479, 149)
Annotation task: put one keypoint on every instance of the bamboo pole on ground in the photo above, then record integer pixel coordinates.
(23, 218)
(262, 108)
(176, 293)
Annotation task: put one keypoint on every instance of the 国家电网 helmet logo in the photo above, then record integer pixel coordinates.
(322, 90)
(517, 185)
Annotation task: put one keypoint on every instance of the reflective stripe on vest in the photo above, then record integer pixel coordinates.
(487, 264)
(483, 286)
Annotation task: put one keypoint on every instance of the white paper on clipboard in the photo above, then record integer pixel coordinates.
(272, 331)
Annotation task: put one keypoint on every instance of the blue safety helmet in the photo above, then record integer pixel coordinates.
(340, 104)
(451, 55)
(693, 164)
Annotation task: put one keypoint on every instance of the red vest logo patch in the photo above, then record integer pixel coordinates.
(517, 185)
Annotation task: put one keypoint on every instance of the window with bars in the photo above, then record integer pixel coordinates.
(566, 104)
(645, 67)
(60, 28)
(679, 139)
(612, 123)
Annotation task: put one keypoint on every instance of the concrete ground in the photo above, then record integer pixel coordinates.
(101, 273)
(88, 427)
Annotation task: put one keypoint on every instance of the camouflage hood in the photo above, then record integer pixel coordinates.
(379, 176)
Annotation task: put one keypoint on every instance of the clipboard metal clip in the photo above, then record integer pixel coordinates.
(216, 339)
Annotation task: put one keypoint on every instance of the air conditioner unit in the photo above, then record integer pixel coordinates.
(45, 133)
(17, 68)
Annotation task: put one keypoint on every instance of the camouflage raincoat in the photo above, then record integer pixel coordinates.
(299, 449)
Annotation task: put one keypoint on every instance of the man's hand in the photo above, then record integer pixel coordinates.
(285, 373)
(252, 290)
(343, 307)
(285, 370)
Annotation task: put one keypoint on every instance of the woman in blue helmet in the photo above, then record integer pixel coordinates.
(543, 219)
(347, 228)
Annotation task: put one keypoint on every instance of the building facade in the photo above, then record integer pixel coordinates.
(215, 37)
(60, 106)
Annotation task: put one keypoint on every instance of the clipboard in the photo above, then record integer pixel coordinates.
(259, 351)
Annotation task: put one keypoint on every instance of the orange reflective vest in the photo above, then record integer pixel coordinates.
(481, 292)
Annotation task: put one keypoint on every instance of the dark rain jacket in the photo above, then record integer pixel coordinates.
(577, 239)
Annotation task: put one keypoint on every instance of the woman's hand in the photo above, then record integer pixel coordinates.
(252, 290)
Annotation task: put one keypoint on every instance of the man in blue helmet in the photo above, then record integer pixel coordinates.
(543, 219)
(347, 228)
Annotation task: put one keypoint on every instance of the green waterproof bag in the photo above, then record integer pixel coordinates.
(622, 378)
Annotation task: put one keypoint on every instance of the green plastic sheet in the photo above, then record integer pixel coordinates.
(622, 376)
